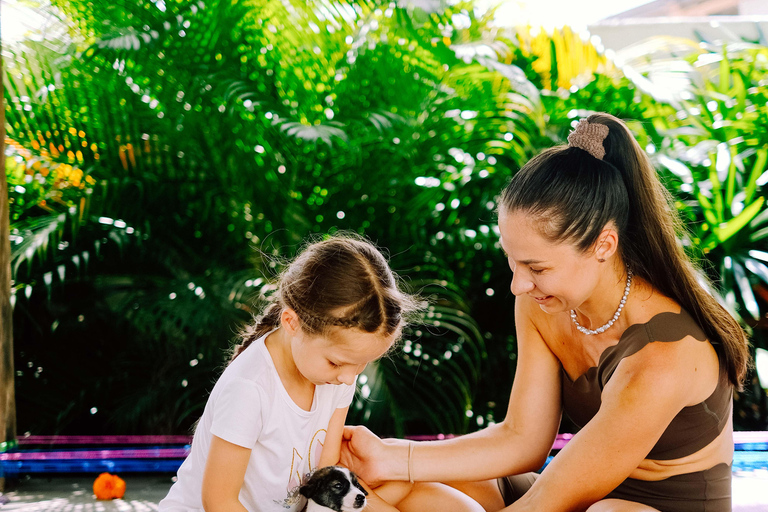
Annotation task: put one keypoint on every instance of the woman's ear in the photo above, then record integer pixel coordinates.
(290, 321)
(607, 243)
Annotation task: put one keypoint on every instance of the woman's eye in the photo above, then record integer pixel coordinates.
(537, 271)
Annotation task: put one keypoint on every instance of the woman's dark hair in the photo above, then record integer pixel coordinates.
(343, 281)
(574, 195)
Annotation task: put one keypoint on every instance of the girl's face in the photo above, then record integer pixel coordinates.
(338, 357)
(558, 276)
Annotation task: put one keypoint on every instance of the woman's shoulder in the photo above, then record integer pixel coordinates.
(654, 322)
(660, 317)
(664, 338)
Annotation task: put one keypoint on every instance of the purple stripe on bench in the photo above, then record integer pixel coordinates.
(561, 441)
(136, 453)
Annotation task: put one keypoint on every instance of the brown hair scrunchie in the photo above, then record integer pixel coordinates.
(589, 137)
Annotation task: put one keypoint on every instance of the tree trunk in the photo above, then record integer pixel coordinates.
(7, 390)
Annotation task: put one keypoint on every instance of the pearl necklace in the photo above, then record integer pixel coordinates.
(615, 315)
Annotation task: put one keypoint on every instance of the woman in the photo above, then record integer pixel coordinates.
(613, 327)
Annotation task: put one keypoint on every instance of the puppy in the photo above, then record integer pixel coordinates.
(333, 488)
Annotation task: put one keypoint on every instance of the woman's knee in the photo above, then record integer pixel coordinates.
(432, 496)
(393, 492)
(612, 505)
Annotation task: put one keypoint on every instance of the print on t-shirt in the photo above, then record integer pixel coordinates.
(294, 477)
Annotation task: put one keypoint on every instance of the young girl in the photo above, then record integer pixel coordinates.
(278, 410)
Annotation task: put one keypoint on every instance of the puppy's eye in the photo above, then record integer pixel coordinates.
(337, 485)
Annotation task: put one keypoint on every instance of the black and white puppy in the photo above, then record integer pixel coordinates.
(333, 488)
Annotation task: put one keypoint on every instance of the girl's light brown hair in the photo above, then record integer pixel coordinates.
(576, 195)
(343, 281)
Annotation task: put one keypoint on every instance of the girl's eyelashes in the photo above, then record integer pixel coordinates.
(334, 365)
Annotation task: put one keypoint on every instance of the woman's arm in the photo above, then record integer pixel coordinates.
(642, 397)
(519, 444)
(224, 475)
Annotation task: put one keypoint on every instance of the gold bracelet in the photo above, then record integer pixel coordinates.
(411, 446)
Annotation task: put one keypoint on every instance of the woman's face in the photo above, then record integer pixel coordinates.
(558, 276)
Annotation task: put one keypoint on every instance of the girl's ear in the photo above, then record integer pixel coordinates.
(290, 321)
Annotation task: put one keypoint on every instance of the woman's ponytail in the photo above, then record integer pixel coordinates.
(652, 248)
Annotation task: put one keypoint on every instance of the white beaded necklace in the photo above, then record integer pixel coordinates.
(616, 315)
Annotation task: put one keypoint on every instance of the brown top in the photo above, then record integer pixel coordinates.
(693, 428)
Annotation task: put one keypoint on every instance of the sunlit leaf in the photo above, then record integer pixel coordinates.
(745, 288)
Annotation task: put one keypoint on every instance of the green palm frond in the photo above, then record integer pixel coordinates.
(715, 158)
(439, 362)
(325, 132)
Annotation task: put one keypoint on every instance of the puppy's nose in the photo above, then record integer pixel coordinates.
(359, 501)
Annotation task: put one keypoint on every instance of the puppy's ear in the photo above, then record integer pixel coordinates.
(310, 488)
(357, 484)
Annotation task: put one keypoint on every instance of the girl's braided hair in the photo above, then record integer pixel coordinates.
(343, 281)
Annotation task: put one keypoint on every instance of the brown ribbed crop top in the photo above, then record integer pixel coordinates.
(693, 428)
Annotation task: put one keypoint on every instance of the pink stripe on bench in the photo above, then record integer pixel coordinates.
(739, 437)
(750, 437)
(50, 440)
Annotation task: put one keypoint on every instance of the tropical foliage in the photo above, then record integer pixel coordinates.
(166, 157)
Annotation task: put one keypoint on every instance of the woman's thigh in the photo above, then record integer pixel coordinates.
(613, 505)
(486, 493)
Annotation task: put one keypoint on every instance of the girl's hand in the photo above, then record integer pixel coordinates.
(373, 460)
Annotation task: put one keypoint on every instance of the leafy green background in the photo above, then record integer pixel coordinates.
(164, 158)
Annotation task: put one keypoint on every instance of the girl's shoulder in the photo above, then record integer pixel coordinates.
(253, 364)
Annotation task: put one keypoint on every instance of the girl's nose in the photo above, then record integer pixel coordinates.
(520, 284)
(349, 373)
(347, 376)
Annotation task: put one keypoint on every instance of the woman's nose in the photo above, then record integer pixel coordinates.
(520, 284)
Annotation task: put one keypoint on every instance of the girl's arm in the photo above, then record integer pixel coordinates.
(519, 444)
(331, 455)
(642, 397)
(332, 446)
(224, 475)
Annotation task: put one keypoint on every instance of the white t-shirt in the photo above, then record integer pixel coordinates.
(250, 407)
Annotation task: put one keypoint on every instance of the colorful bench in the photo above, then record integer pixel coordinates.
(164, 454)
(93, 454)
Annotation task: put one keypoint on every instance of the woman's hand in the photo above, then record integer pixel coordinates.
(374, 460)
